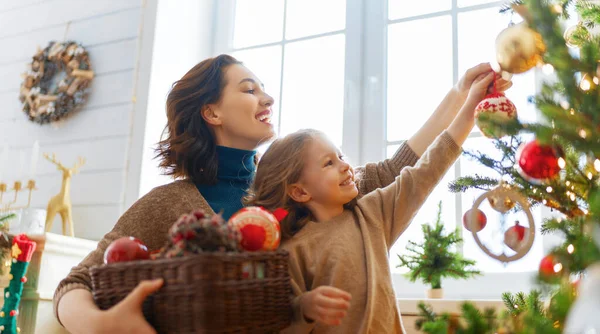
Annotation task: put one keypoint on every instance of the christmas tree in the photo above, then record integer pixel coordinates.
(434, 259)
(560, 167)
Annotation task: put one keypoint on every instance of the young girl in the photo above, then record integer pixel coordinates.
(339, 244)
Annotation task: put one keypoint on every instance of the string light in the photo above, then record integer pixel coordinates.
(589, 175)
(568, 183)
(570, 249)
(557, 9)
(549, 189)
(559, 220)
(534, 191)
(572, 111)
(586, 84)
(597, 165)
(582, 133)
(561, 163)
(544, 202)
(572, 197)
(564, 104)
(548, 69)
(585, 212)
(558, 267)
(595, 80)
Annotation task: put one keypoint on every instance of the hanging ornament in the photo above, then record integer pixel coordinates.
(550, 267)
(539, 163)
(519, 48)
(525, 244)
(259, 228)
(514, 236)
(501, 204)
(477, 224)
(583, 314)
(499, 110)
(21, 252)
(575, 35)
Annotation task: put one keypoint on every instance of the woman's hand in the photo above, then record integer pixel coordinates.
(79, 313)
(326, 304)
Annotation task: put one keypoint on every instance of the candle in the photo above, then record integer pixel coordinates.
(35, 152)
(3, 158)
(21, 172)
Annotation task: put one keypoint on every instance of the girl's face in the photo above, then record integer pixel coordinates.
(242, 118)
(327, 180)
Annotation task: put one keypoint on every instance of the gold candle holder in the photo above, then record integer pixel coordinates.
(17, 187)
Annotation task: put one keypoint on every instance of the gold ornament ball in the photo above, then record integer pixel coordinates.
(501, 205)
(519, 48)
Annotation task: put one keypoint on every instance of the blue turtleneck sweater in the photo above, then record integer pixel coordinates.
(234, 176)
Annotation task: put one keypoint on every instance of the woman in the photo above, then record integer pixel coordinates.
(218, 114)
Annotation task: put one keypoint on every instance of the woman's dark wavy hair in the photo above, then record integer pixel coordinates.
(189, 149)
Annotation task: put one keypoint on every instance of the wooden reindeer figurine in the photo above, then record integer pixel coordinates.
(61, 203)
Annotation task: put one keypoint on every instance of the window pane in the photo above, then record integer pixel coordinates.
(419, 73)
(493, 234)
(265, 63)
(391, 149)
(427, 215)
(311, 17)
(313, 86)
(398, 9)
(257, 22)
(477, 31)
(467, 3)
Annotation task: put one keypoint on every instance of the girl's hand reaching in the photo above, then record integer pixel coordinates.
(465, 120)
(326, 304)
(466, 81)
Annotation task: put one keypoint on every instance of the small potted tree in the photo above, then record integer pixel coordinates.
(434, 258)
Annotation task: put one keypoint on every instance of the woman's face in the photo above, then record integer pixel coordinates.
(243, 115)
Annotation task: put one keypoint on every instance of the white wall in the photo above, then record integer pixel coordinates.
(118, 35)
(183, 38)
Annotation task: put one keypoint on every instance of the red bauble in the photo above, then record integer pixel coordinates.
(13, 313)
(547, 267)
(474, 226)
(259, 228)
(24, 279)
(126, 249)
(513, 237)
(538, 163)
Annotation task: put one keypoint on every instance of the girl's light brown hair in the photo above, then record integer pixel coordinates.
(280, 167)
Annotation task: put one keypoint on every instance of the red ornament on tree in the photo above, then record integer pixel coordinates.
(513, 237)
(538, 163)
(474, 225)
(550, 267)
(259, 228)
(499, 110)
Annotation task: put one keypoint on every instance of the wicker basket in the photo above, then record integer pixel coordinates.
(207, 293)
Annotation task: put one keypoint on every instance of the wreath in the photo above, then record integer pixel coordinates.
(56, 82)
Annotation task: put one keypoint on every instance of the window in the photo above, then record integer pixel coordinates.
(369, 73)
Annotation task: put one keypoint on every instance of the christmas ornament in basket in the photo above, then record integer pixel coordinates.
(210, 284)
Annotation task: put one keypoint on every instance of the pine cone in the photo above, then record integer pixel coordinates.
(197, 232)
